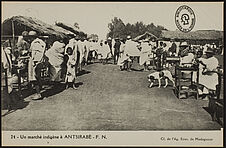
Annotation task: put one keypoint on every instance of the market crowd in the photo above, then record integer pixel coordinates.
(63, 59)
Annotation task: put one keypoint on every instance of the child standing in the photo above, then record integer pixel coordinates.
(71, 63)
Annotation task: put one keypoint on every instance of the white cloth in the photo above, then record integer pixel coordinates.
(178, 47)
(123, 56)
(145, 51)
(131, 48)
(72, 44)
(55, 54)
(56, 58)
(104, 51)
(187, 59)
(70, 76)
(6, 60)
(81, 50)
(208, 80)
(205, 48)
(87, 45)
(7, 64)
(37, 51)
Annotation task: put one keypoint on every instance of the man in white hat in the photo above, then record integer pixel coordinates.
(109, 42)
(183, 48)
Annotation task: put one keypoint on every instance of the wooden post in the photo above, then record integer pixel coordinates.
(13, 31)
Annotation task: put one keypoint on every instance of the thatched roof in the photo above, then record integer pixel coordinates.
(22, 23)
(146, 35)
(194, 35)
(67, 27)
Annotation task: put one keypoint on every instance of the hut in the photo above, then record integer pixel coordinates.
(14, 26)
(199, 37)
(146, 35)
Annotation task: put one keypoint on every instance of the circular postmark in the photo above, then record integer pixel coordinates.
(185, 18)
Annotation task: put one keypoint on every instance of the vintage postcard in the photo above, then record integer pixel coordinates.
(112, 73)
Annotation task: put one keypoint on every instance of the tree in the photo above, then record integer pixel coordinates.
(118, 29)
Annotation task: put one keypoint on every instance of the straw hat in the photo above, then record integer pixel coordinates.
(184, 44)
(210, 51)
(32, 34)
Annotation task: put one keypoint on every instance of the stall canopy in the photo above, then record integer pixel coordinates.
(67, 27)
(146, 35)
(15, 25)
(200, 35)
(71, 29)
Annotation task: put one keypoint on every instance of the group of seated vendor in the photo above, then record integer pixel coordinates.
(209, 68)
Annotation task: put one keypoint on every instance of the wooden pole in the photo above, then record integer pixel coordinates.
(13, 33)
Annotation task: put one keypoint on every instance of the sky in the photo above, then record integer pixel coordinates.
(93, 17)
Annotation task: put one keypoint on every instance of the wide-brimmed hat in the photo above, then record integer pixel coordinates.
(32, 33)
(109, 38)
(184, 44)
(210, 51)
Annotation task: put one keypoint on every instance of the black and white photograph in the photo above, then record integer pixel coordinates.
(118, 67)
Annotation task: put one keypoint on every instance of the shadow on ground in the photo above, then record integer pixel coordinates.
(83, 72)
(14, 101)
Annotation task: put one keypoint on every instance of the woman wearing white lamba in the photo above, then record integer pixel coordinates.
(145, 52)
(207, 72)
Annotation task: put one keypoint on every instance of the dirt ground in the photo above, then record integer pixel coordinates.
(109, 99)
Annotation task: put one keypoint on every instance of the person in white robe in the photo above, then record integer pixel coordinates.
(131, 48)
(145, 52)
(207, 72)
(105, 53)
(81, 49)
(126, 51)
(37, 48)
(56, 57)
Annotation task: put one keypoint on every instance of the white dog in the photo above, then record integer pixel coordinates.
(158, 75)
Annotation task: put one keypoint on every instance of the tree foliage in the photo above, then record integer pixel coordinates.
(118, 29)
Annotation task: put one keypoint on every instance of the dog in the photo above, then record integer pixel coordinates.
(158, 75)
